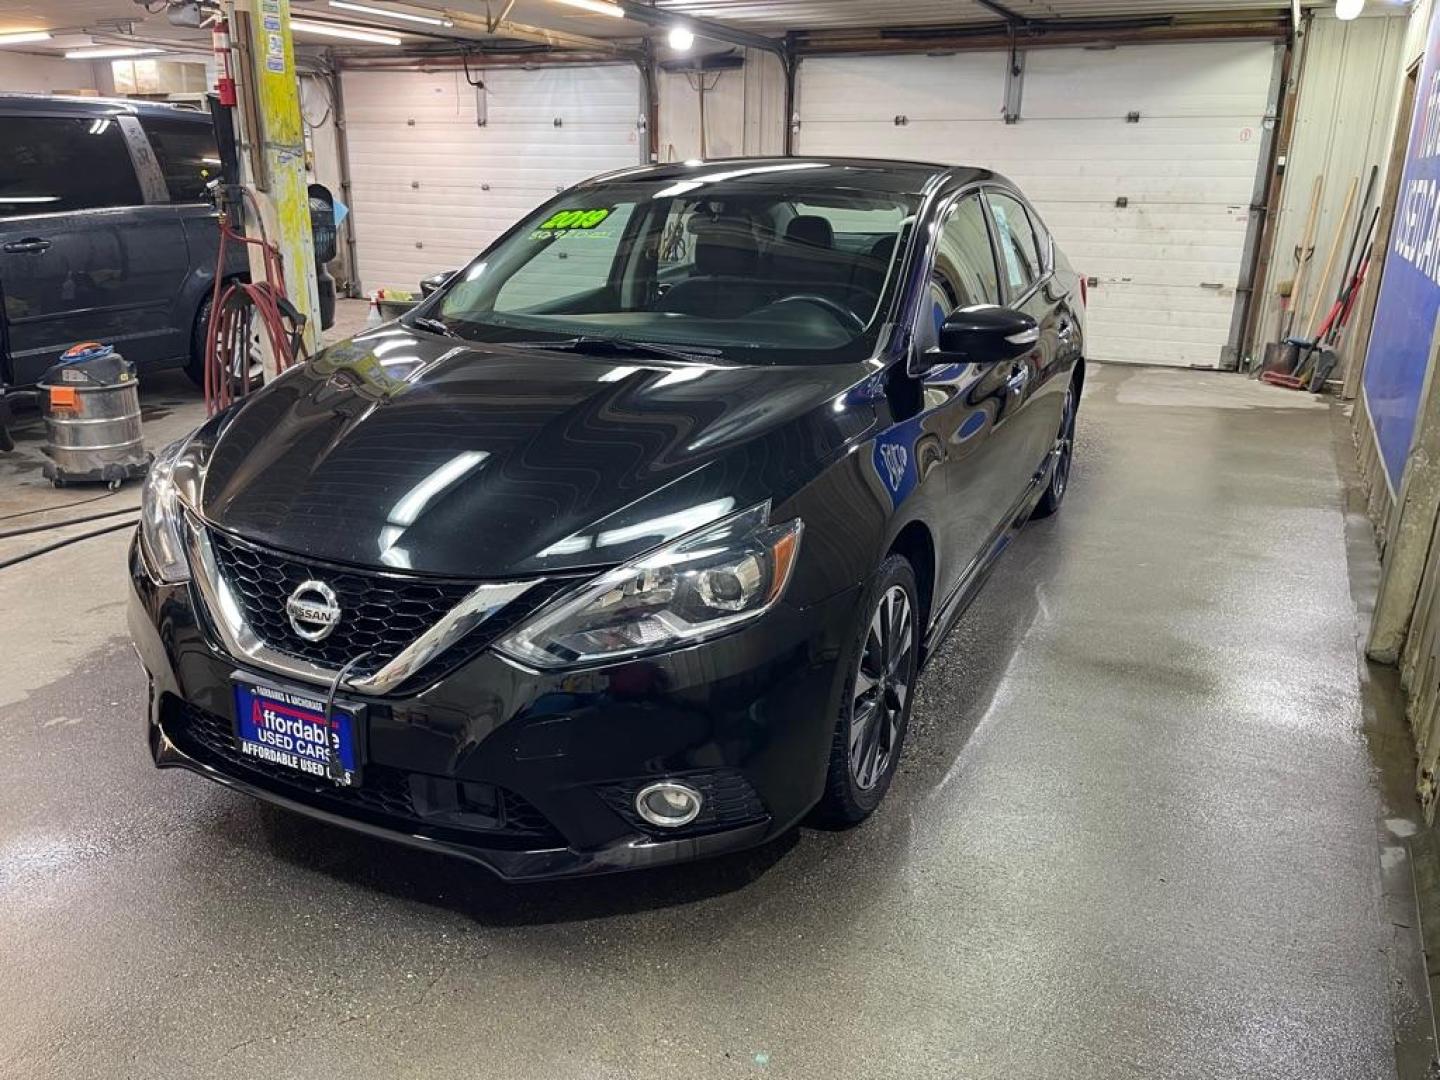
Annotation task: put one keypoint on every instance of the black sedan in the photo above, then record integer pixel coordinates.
(627, 544)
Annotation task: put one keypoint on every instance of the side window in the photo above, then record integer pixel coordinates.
(186, 152)
(54, 163)
(1019, 246)
(964, 273)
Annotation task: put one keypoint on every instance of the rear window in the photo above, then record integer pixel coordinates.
(55, 163)
(1019, 246)
(187, 155)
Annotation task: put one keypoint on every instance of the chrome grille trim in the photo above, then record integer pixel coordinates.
(242, 643)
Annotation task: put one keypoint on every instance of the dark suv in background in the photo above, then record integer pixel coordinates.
(107, 231)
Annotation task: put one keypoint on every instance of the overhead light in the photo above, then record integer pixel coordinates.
(428, 20)
(24, 36)
(1345, 10)
(353, 33)
(680, 39)
(599, 7)
(108, 52)
(29, 198)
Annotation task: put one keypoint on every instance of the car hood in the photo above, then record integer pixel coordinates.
(409, 451)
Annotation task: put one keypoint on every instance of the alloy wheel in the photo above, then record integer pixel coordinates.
(881, 688)
(1064, 447)
(247, 368)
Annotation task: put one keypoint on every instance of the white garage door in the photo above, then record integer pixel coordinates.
(1167, 263)
(431, 186)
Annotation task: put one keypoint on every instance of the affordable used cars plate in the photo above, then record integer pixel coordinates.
(289, 729)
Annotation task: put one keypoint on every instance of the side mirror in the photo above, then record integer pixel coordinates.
(429, 284)
(985, 334)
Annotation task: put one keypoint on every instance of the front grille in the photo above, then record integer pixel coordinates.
(387, 796)
(381, 613)
(728, 801)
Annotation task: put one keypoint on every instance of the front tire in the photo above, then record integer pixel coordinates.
(879, 671)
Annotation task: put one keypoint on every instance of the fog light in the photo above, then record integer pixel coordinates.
(668, 804)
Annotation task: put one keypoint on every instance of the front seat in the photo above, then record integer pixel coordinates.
(724, 282)
(806, 261)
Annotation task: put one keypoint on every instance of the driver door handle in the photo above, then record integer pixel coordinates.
(31, 244)
(1019, 378)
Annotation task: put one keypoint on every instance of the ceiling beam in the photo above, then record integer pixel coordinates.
(1014, 18)
(502, 26)
(1041, 36)
(650, 16)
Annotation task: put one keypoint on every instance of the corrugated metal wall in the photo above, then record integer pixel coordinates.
(1345, 118)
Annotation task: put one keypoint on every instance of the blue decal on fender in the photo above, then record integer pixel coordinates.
(893, 457)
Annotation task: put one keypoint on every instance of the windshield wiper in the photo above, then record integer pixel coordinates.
(435, 326)
(610, 346)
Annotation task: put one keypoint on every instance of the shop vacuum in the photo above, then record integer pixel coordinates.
(91, 404)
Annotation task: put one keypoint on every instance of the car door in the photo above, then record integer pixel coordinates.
(1038, 391)
(89, 247)
(188, 158)
(973, 400)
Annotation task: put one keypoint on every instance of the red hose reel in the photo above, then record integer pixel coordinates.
(234, 308)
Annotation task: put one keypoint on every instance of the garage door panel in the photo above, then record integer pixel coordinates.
(1173, 254)
(380, 95)
(854, 89)
(437, 146)
(431, 187)
(1144, 300)
(1091, 160)
(1229, 79)
(1178, 274)
(541, 94)
(1205, 140)
(538, 166)
(1149, 350)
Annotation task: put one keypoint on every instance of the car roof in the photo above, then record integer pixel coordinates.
(63, 105)
(872, 174)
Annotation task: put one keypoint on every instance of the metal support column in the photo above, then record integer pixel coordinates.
(790, 64)
(275, 167)
(1014, 82)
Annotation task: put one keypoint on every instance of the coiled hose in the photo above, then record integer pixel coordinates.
(234, 305)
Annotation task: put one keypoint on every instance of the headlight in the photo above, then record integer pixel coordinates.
(171, 473)
(691, 589)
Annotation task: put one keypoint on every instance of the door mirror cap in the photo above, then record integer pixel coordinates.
(985, 334)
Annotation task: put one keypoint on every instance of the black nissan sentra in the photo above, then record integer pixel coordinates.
(627, 545)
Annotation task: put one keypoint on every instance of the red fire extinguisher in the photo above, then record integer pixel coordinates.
(220, 45)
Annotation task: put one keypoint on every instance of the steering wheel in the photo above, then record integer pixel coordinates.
(840, 311)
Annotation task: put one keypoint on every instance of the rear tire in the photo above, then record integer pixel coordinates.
(877, 674)
(195, 366)
(1065, 446)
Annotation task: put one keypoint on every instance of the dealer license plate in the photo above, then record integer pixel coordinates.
(288, 729)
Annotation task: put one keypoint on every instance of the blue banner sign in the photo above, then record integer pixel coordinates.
(1410, 292)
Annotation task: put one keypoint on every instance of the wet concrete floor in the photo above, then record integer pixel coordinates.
(1138, 833)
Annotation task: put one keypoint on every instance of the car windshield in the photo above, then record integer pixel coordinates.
(748, 267)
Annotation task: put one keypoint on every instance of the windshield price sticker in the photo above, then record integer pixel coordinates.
(568, 220)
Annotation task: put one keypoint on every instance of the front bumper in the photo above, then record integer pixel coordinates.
(531, 774)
